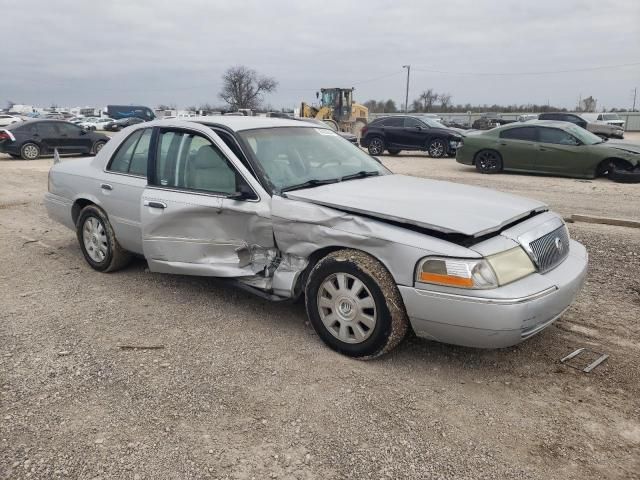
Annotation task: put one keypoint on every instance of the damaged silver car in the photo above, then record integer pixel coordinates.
(288, 209)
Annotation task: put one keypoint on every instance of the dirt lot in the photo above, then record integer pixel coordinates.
(244, 389)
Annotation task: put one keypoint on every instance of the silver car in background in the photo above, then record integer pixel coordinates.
(286, 209)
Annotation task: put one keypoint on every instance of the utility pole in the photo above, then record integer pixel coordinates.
(635, 93)
(406, 98)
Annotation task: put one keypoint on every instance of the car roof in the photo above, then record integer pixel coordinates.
(540, 123)
(237, 124)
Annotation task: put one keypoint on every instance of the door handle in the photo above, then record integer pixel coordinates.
(106, 186)
(152, 204)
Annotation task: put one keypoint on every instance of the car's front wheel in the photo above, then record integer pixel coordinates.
(30, 151)
(488, 161)
(623, 172)
(98, 242)
(376, 146)
(437, 148)
(354, 304)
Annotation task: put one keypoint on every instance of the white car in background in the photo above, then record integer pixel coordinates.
(95, 123)
(611, 119)
(6, 120)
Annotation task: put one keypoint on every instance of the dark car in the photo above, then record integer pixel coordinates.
(490, 120)
(404, 132)
(29, 140)
(122, 123)
(564, 117)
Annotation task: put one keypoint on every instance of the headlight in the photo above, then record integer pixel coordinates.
(490, 272)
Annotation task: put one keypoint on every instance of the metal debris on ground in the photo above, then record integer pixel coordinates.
(601, 357)
(140, 347)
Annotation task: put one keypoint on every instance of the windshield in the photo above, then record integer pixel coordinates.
(583, 135)
(291, 156)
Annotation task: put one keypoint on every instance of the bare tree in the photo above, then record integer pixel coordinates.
(428, 99)
(445, 101)
(242, 87)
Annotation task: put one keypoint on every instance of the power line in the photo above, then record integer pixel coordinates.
(511, 74)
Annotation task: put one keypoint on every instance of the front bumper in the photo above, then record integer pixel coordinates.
(499, 317)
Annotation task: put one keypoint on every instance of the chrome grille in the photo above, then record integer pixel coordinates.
(550, 250)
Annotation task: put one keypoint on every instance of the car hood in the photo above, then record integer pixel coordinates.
(627, 147)
(435, 205)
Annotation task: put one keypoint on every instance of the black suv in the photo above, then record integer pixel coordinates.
(28, 140)
(564, 117)
(398, 133)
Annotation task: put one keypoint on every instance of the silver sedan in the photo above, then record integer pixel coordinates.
(286, 209)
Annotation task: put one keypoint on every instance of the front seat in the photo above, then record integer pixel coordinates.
(209, 171)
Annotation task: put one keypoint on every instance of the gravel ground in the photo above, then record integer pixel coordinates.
(244, 389)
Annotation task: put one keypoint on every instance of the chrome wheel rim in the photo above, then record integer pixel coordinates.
(376, 146)
(99, 147)
(436, 149)
(347, 308)
(488, 161)
(95, 241)
(30, 151)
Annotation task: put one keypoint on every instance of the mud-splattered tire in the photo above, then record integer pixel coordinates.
(619, 174)
(98, 242)
(354, 305)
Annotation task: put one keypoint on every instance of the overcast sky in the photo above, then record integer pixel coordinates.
(98, 52)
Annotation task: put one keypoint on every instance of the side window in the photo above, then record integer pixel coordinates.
(394, 122)
(412, 122)
(131, 157)
(557, 136)
(47, 129)
(600, 117)
(69, 130)
(189, 161)
(523, 133)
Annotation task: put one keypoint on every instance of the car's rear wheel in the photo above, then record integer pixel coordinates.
(437, 148)
(376, 146)
(354, 304)
(97, 147)
(393, 151)
(29, 151)
(98, 242)
(488, 161)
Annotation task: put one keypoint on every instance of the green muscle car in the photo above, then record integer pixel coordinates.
(555, 148)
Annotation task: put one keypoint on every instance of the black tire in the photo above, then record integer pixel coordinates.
(437, 148)
(393, 151)
(488, 161)
(623, 173)
(376, 146)
(30, 151)
(115, 257)
(97, 147)
(391, 322)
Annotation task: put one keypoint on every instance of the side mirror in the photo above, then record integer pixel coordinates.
(244, 193)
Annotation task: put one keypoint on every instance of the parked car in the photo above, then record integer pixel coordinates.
(527, 117)
(604, 118)
(117, 125)
(490, 120)
(403, 132)
(556, 148)
(601, 129)
(31, 139)
(95, 123)
(6, 119)
(287, 209)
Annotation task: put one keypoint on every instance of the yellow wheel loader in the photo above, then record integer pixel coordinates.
(338, 110)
